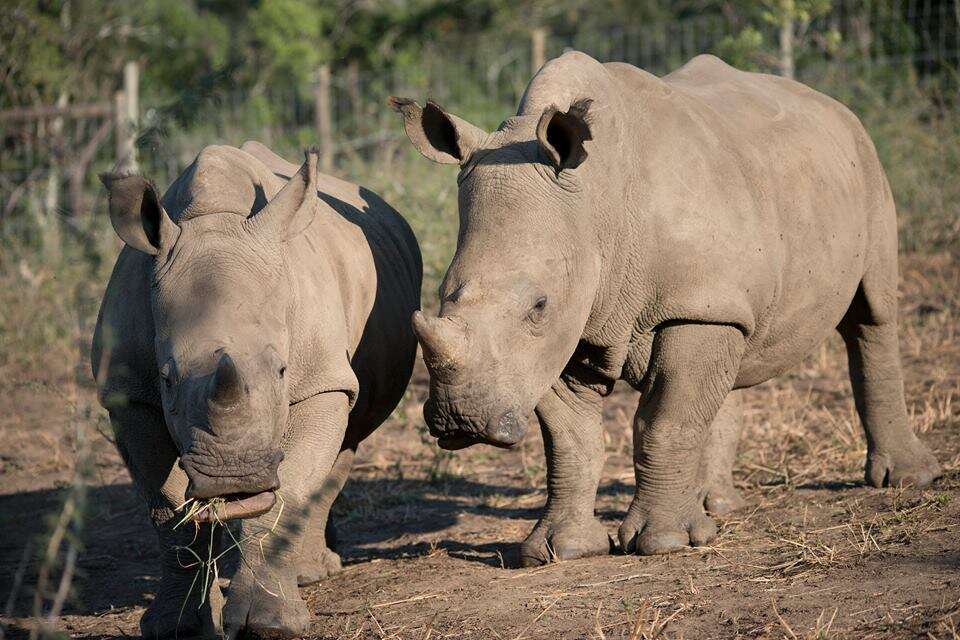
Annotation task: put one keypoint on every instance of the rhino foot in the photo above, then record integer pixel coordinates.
(566, 540)
(176, 614)
(660, 530)
(722, 500)
(318, 565)
(910, 466)
(269, 608)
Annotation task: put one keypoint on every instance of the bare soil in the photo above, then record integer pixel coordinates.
(429, 538)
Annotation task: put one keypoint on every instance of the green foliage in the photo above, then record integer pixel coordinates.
(288, 38)
(741, 49)
(777, 12)
(188, 43)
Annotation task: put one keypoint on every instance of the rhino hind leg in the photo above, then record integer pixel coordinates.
(319, 560)
(895, 456)
(720, 497)
(179, 608)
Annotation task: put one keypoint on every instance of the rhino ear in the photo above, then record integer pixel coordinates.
(136, 213)
(561, 135)
(438, 135)
(293, 209)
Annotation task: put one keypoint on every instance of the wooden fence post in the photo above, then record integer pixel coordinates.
(353, 88)
(322, 118)
(786, 45)
(127, 118)
(538, 44)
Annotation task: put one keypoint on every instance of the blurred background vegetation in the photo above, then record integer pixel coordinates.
(91, 85)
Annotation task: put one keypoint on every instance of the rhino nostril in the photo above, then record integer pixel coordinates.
(508, 429)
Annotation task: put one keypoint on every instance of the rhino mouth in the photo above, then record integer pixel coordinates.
(457, 441)
(456, 430)
(237, 506)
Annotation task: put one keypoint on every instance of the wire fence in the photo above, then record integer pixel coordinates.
(39, 174)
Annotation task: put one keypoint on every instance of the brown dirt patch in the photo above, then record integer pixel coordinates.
(429, 538)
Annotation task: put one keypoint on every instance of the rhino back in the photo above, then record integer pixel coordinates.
(739, 198)
(763, 204)
(374, 260)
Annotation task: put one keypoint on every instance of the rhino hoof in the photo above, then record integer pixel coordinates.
(723, 500)
(323, 564)
(252, 612)
(169, 617)
(913, 466)
(647, 535)
(550, 542)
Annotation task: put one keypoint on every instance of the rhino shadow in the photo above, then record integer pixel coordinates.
(374, 518)
(118, 561)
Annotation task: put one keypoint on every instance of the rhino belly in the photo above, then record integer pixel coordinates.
(810, 305)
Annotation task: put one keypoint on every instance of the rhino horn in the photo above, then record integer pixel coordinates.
(226, 387)
(294, 207)
(443, 341)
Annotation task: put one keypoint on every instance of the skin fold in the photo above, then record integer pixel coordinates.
(254, 331)
(692, 235)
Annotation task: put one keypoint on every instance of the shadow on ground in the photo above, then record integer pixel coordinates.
(118, 566)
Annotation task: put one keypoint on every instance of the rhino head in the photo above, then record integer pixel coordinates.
(520, 288)
(220, 300)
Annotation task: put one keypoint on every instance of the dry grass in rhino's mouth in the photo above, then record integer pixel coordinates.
(209, 511)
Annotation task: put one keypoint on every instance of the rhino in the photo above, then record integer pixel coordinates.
(693, 235)
(255, 329)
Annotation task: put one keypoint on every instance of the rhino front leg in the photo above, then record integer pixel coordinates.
(263, 600)
(692, 369)
(319, 560)
(720, 496)
(570, 418)
(150, 455)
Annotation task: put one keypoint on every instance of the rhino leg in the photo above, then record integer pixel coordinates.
(150, 456)
(720, 496)
(263, 600)
(571, 421)
(692, 369)
(319, 560)
(895, 456)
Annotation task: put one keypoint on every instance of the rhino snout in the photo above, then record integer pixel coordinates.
(507, 430)
(213, 473)
(456, 430)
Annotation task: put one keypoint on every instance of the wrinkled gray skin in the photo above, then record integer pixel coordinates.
(693, 235)
(255, 330)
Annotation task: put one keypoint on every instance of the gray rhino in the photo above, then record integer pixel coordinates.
(255, 329)
(692, 235)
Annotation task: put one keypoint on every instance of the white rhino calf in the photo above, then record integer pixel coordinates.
(692, 235)
(255, 329)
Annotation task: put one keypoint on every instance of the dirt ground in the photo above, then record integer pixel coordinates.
(429, 538)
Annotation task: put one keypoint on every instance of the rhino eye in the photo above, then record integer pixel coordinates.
(538, 310)
(283, 370)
